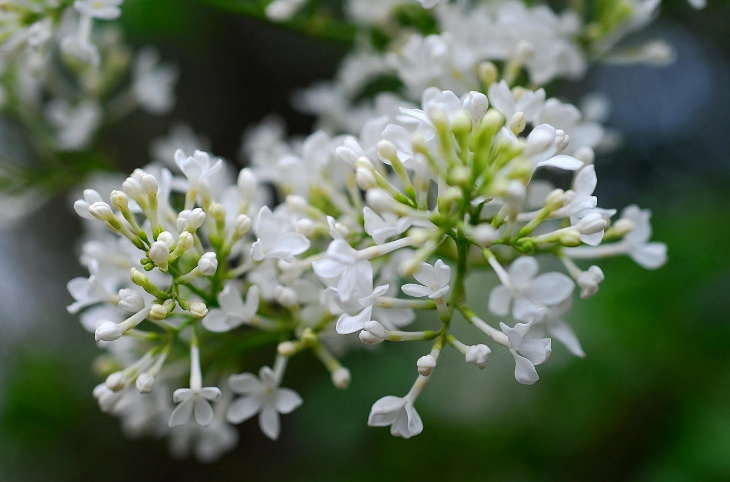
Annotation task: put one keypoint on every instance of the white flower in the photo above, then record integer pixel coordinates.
(153, 84)
(530, 293)
(581, 197)
(81, 206)
(589, 280)
(75, 125)
(274, 240)
(636, 243)
(194, 403)
(232, 312)
(552, 319)
(197, 168)
(339, 266)
(261, 395)
(526, 352)
(502, 98)
(434, 281)
(89, 291)
(359, 309)
(383, 226)
(101, 9)
(478, 355)
(397, 412)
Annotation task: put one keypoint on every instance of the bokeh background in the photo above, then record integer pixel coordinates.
(651, 402)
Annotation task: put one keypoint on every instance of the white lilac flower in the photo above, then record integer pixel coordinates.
(526, 292)
(198, 168)
(101, 9)
(552, 320)
(261, 395)
(526, 352)
(433, 279)
(275, 240)
(233, 312)
(81, 206)
(383, 226)
(89, 291)
(398, 413)
(340, 267)
(194, 402)
(503, 99)
(75, 125)
(153, 83)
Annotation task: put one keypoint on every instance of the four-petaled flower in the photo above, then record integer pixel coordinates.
(434, 281)
(527, 352)
(198, 167)
(275, 241)
(529, 292)
(261, 395)
(195, 403)
(232, 312)
(397, 412)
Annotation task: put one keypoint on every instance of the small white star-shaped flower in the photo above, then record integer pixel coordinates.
(434, 281)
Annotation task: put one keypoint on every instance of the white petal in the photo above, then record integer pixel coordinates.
(269, 422)
(524, 309)
(537, 351)
(650, 255)
(523, 270)
(585, 181)
(499, 300)
(562, 162)
(244, 383)
(328, 268)
(243, 408)
(562, 332)
(203, 412)
(415, 425)
(525, 372)
(551, 288)
(230, 299)
(287, 400)
(295, 243)
(219, 321)
(181, 414)
(212, 394)
(347, 324)
(418, 291)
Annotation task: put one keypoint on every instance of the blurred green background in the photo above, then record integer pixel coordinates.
(651, 402)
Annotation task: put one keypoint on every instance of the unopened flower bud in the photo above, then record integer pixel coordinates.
(145, 382)
(138, 277)
(426, 364)
(217, 211)
(365, 163)
(297, 203)
(365, 179)
(119, 200)
(555, 199)
(286, 296)
(375, 328)
(369, 339)
(478, 355)
(461, 123)
(342, 229)
(623, 226)
(159, 252)
(589, 280)
(132, 188)
(287, 349)
(208, 263)
(439, 119)
(130, 300)
(592, 224)
(485, 234)
(341, 378)
(488, 72)
(185, 241)
(116, 381)
(380, 201)
(492, 121)
(167, 238)
(195, 218)
(387, 150)
(108, 331)
(570, 238)
(561, 140)
(157, 312)
(585, 154)
(349, 152)
(243, 224)
(306, 226)
(149, 184)
(198, 309)
(517, 123)
(247, 183)
(101, 211)
(539, 140)
(475, 104)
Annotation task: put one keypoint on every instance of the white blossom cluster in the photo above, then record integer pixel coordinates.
(63, 67)
(372, 230)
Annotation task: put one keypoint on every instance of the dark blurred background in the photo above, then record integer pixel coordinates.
(651, 402)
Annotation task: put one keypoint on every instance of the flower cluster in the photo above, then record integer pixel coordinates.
(372, 230)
